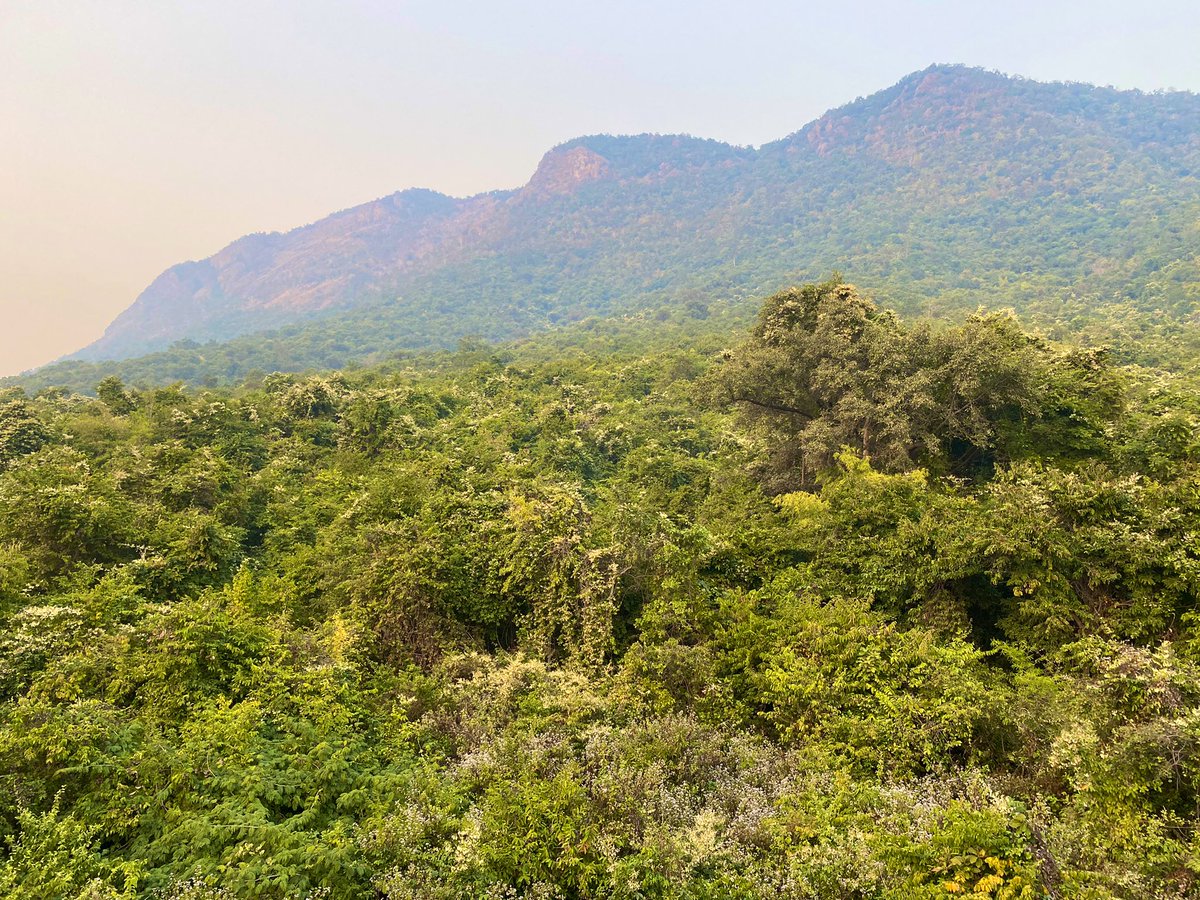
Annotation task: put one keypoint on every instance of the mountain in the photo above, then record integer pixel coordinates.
(955, 187)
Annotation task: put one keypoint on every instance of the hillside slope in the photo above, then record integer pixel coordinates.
(953, 188)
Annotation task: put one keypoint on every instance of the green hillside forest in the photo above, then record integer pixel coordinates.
(954, 188)
(824, 601)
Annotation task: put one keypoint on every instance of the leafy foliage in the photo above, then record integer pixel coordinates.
(858, 608)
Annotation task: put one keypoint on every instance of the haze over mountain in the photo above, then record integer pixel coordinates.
(953, 188)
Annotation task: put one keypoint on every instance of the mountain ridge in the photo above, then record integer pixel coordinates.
(876, 187)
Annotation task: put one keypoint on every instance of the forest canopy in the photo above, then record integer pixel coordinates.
(857, 607)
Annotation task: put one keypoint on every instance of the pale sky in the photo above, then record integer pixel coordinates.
(134, 135)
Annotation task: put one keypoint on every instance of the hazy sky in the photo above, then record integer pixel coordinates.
(134, 135)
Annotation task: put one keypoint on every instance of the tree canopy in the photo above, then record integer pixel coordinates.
(858, 608)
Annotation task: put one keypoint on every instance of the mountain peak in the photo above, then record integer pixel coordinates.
(564, 168)
(957, 72)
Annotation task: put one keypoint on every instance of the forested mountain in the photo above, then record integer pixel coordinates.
(693, 596)
(855, 608)
(952, 189)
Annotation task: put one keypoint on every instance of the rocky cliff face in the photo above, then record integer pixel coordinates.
(950, 171)
(562, 171)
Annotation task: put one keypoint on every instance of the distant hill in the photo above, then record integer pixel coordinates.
(955, 187)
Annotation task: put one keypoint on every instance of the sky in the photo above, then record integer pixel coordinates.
(134, 135)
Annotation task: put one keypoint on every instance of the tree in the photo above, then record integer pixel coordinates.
(112, 394)
(825, 369)
(21, 432)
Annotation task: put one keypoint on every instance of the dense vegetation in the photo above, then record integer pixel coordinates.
(857, 608)
(952, 189)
